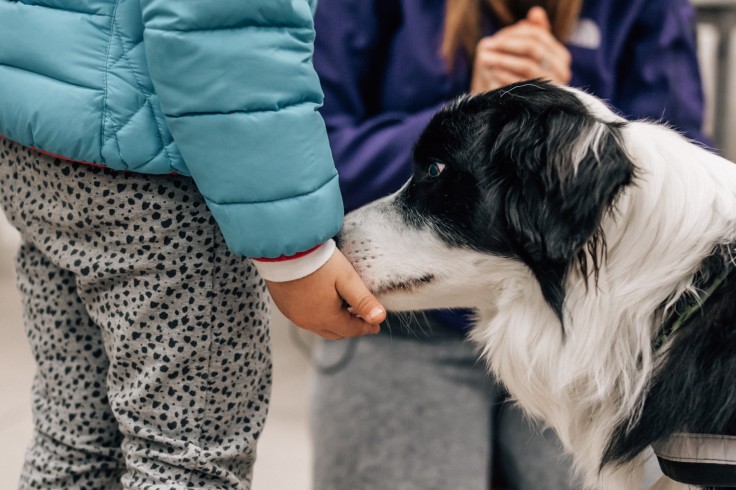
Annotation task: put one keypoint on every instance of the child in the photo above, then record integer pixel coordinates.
(149, 327)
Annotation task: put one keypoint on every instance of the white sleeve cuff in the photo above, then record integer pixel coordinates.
(292, 269)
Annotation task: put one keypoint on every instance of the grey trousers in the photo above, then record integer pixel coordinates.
(151, 338)
(399, 411)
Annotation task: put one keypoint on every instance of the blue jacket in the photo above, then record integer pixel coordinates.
(222, 90)
(384, 77)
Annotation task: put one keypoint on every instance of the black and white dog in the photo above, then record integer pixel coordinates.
(587, 244)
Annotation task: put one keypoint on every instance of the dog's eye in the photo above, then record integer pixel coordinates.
(435, 169)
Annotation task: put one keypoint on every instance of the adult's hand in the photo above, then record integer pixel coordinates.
(315, 302)
(522, 51)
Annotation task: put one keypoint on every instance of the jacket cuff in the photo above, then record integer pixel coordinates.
(297, 266)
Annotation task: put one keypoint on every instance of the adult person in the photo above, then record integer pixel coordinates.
(149, 147)
(415, 410)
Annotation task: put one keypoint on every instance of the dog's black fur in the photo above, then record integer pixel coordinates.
(695, 390)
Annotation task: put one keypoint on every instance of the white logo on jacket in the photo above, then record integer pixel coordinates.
(586, 34)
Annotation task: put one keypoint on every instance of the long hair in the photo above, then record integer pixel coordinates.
(463, 21)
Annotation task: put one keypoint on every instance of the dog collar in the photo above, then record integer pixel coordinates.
(693, 306)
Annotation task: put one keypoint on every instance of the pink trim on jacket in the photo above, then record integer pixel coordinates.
(284, 258)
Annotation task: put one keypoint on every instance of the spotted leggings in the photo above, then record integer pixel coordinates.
(151, 338)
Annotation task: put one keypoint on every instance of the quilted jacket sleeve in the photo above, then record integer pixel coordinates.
(240, 95)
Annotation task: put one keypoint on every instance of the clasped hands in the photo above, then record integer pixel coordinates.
(521, 51)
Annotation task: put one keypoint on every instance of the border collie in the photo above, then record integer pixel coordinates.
(596, 252)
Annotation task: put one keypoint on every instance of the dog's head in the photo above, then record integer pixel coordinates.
(506, 182)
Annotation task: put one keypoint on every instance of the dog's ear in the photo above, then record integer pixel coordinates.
(564, 170)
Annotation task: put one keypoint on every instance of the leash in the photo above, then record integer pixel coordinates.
(694, 307)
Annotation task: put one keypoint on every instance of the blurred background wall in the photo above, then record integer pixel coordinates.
(284, 455)
(717, 52)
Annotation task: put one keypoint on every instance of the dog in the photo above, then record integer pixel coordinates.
(597, 253)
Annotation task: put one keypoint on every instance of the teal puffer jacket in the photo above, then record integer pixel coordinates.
(222, 90)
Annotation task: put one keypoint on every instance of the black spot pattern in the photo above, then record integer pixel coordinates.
(151, 338)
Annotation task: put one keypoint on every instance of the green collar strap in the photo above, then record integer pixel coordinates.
(694, 307)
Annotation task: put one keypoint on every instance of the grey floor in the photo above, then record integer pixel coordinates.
(284, 457)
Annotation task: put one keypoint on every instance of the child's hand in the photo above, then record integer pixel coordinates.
(315, 302)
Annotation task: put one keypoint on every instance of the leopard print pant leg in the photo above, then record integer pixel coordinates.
(181, 338)
(76, 443)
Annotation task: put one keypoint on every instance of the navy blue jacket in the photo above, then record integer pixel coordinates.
(383, 76)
